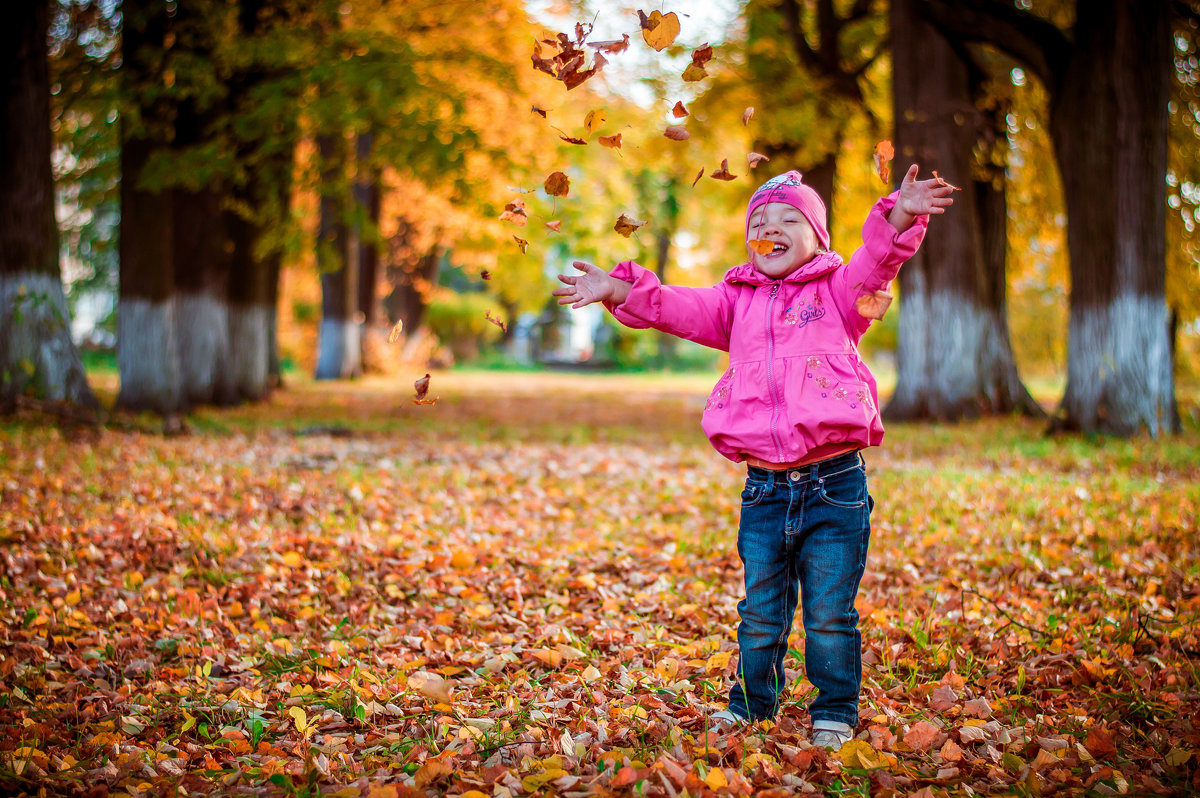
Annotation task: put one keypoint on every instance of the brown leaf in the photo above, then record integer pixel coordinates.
(943, 697)
(659, 30)
(761, 245)
(573, 77)
(394, 335)
(614, 46)
(522, 243)
(625, 226)
(555, 225)
(679, 112)
(515, 212)
(873, 306)
(950, 751)
(538, 111)
(1099, 743)
(884, 153)
(613, 141)
(693, 73)
(702, 54)
(422, 387)
(485, 274)
(723, 173)
(976, 707)
(503, 327)
(755, 158)
(942, 182)
(572, 140)
(747, 115)
(699, 175)
(677, 133)
(558, 184)
(922, 735)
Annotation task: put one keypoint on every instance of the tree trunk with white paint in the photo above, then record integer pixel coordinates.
(954, 359)
(37, 354)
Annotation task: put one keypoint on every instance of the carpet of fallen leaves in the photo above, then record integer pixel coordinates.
(529, 588)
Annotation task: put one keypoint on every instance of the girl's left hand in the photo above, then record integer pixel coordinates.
(920, 197)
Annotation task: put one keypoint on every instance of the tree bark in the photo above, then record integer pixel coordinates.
(147, 354)
(366, 250)
(339, 355)
(954, 358)
(1108, 82)
(36, 350)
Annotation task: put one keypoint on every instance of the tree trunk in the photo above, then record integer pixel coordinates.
(666, 342)
(36, 350)
(1109, 126)
(147, 354)
(339, 353)
(372, 339)
(411, 277)
(249, 307)
(954, 358)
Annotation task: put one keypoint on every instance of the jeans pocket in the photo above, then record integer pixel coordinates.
(847, 489)
(753, 493)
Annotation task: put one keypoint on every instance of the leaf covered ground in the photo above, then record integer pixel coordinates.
(530, 588)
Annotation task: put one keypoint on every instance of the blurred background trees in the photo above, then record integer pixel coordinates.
(250, 187)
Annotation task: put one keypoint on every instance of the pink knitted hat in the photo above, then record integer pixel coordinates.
(789, 188)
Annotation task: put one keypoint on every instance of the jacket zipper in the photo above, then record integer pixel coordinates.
(771, 372)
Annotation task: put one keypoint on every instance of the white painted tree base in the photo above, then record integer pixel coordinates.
(148, 356)
(340, 353)
(250, 350)
(36, 350)
(202, 334)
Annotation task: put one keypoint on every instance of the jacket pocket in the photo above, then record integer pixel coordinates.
(719, 398)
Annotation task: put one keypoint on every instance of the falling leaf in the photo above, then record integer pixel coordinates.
(394, 335)
(555, 225)
(761, 245)
(520, 190)
(572, 140)
(594, 120)
(755, 158)
(614, 46)
(873, 306)
(515, 212)
(702, 54)
(723, 173)
(679, 112)
(574, 77)
(747, 115)
(699, 175)
(538, 111)
(942, 182)
(883, 156)
(503, 327)
(557, 184)
(613, 141)
(485, 275)
(625, 226)
(677, 133)
(693, 73)
(430, 685)
(659, 30)
(422, 387)
(522, 243)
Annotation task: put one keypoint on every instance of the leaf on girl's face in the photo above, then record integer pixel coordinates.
(503, 327)
(485, 275)
(594, 120)
(613, 141)
(612, 47)
(883, 156)
(679, 112)
(677, 133)
(556, 225)
(761, 245)
(699, 175)
(659, 30)
(534, 109)
(747, 115)
(723, 173)
(626, 226)
(522, 243)
(422, 388)
(394, 335)
(557, 184)
(755, 158)
(693, 73)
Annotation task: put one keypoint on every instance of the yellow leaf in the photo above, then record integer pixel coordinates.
(860, 754)
(293, 559)
(188, 721)
(693, 73)
(716, 779)
(659, 30)
(718, 661)
(594, 120)
(73, 598)
(474, 794)
(301, 720)
(462, 559)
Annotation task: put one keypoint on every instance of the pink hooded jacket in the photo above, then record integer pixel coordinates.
(795, 387)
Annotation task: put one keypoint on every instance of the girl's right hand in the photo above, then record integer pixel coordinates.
(594, 285)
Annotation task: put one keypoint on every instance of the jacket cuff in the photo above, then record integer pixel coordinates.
(885, 243)
(640, 308)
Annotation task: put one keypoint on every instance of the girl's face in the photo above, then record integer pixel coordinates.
(793, 237)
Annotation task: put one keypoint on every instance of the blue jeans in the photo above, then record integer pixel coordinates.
(803, 534)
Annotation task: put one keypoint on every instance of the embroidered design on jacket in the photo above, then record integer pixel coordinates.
(798, 317)
(718, 397)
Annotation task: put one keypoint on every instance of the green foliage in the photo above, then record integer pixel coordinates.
(460, 322)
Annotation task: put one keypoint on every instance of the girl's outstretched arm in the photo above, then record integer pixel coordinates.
(919, 198)
(594, 285)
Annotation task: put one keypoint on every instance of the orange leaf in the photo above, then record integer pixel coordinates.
(625, 226)
(679, 112)
(612, 47)
(942, 182)
(394, 335)
(761, 245)
(613, 141)
(747, 115)
(677, 133)
(556, 225)
(755, 158)
(883, 155)
(515, 212)
(558, 184)
(659, 30)
(693, 73)
(699, 175)
(723, 173)
(873, 306)
(702, 54)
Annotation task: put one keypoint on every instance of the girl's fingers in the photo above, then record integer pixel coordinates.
(567, 278)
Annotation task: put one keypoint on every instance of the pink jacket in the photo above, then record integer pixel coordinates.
(796, 386)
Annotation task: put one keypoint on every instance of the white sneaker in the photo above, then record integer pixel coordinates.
(830, 734)
(720, 721)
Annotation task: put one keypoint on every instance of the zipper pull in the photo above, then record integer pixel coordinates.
(774, 290)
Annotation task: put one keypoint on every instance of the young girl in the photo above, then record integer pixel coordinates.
(796, 405)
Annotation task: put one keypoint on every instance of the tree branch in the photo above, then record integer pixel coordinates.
(1041, 46)
(791, 20)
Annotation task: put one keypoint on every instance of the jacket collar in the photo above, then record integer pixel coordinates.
(820, 265)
